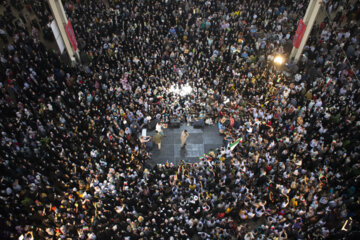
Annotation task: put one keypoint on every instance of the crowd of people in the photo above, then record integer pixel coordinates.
(72, 160)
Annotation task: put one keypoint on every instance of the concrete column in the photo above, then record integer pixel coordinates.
(309, 20)
(309, 10)
(58, 12)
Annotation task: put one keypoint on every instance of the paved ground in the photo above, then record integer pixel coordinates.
(199, 142)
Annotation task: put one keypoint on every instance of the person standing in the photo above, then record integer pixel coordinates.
(157, 139)
(159, 129)
(184, 136)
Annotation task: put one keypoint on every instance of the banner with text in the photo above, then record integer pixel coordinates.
(299, 34)
(71, 35)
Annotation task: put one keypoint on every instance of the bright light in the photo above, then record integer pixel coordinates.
(183, 91)
(279, 60)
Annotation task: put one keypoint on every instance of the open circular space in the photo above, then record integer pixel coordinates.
(179, 119)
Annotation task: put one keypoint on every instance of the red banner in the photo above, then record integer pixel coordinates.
(71, 35)
(299, 34)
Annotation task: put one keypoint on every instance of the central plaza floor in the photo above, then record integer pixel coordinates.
(200, 141)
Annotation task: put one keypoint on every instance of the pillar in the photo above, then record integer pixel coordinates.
(58, 12)
(309, 20)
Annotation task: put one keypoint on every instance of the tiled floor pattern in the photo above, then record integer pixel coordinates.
(199, 142)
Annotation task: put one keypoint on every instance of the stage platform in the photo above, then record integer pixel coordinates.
(200, 141)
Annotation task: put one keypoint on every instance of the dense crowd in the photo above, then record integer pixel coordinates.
(72, 162)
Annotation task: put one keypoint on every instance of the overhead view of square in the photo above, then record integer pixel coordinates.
(179, 119)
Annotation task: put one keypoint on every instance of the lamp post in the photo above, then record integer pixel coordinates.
(278, 62)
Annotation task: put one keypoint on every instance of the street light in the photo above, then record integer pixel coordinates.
(279, 60)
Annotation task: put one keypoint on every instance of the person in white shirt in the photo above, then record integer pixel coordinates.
(158, 128)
